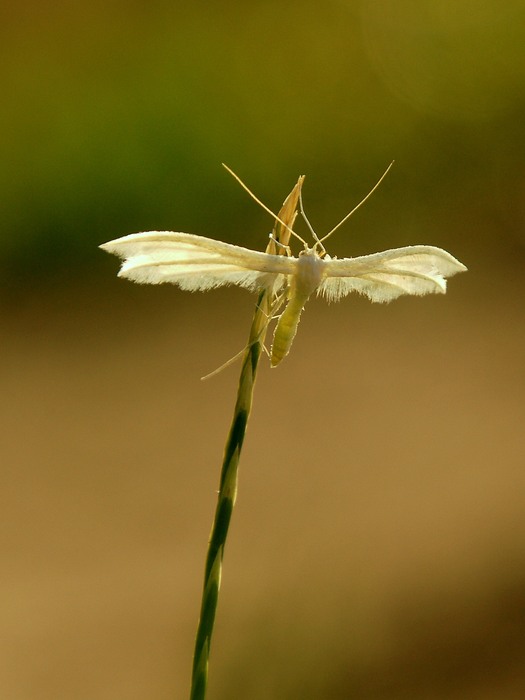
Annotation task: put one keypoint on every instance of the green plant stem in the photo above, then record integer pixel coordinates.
(226, 497)
(232, 452)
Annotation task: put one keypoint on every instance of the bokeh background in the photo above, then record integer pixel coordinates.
(377, 550)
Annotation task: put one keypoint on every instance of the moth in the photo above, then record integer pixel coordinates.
(196, 263)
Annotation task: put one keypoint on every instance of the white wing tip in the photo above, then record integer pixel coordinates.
(114, 246)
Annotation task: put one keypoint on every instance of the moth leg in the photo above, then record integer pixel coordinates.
(276, 305)
(266, 351)
(241, 352)
(232, 360)
(223, 366)
(263, 312)
(281, 245)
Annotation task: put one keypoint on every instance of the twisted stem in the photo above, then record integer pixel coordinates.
(232, 452)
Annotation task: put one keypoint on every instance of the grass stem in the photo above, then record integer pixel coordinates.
(232, 452)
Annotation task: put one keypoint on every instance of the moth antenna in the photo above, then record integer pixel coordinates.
(374, 188)
(310, 227)
(245, 187)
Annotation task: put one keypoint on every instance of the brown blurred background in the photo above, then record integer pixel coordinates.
(377, 548)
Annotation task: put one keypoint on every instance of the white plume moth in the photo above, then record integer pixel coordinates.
(196, 263)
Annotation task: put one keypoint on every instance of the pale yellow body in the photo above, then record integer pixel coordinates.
(309, 273)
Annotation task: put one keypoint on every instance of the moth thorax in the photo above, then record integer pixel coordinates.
(309, 273)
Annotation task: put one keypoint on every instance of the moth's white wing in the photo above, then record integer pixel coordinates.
(416, 270)
(196, 263)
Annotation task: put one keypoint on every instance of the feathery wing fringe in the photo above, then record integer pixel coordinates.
(196, 263)
(414, 270)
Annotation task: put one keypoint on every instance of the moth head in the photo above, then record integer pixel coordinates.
(318, 245)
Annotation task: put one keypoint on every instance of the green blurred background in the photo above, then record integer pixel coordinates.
(377, 549)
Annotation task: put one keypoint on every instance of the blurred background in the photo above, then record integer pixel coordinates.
(377, 548)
